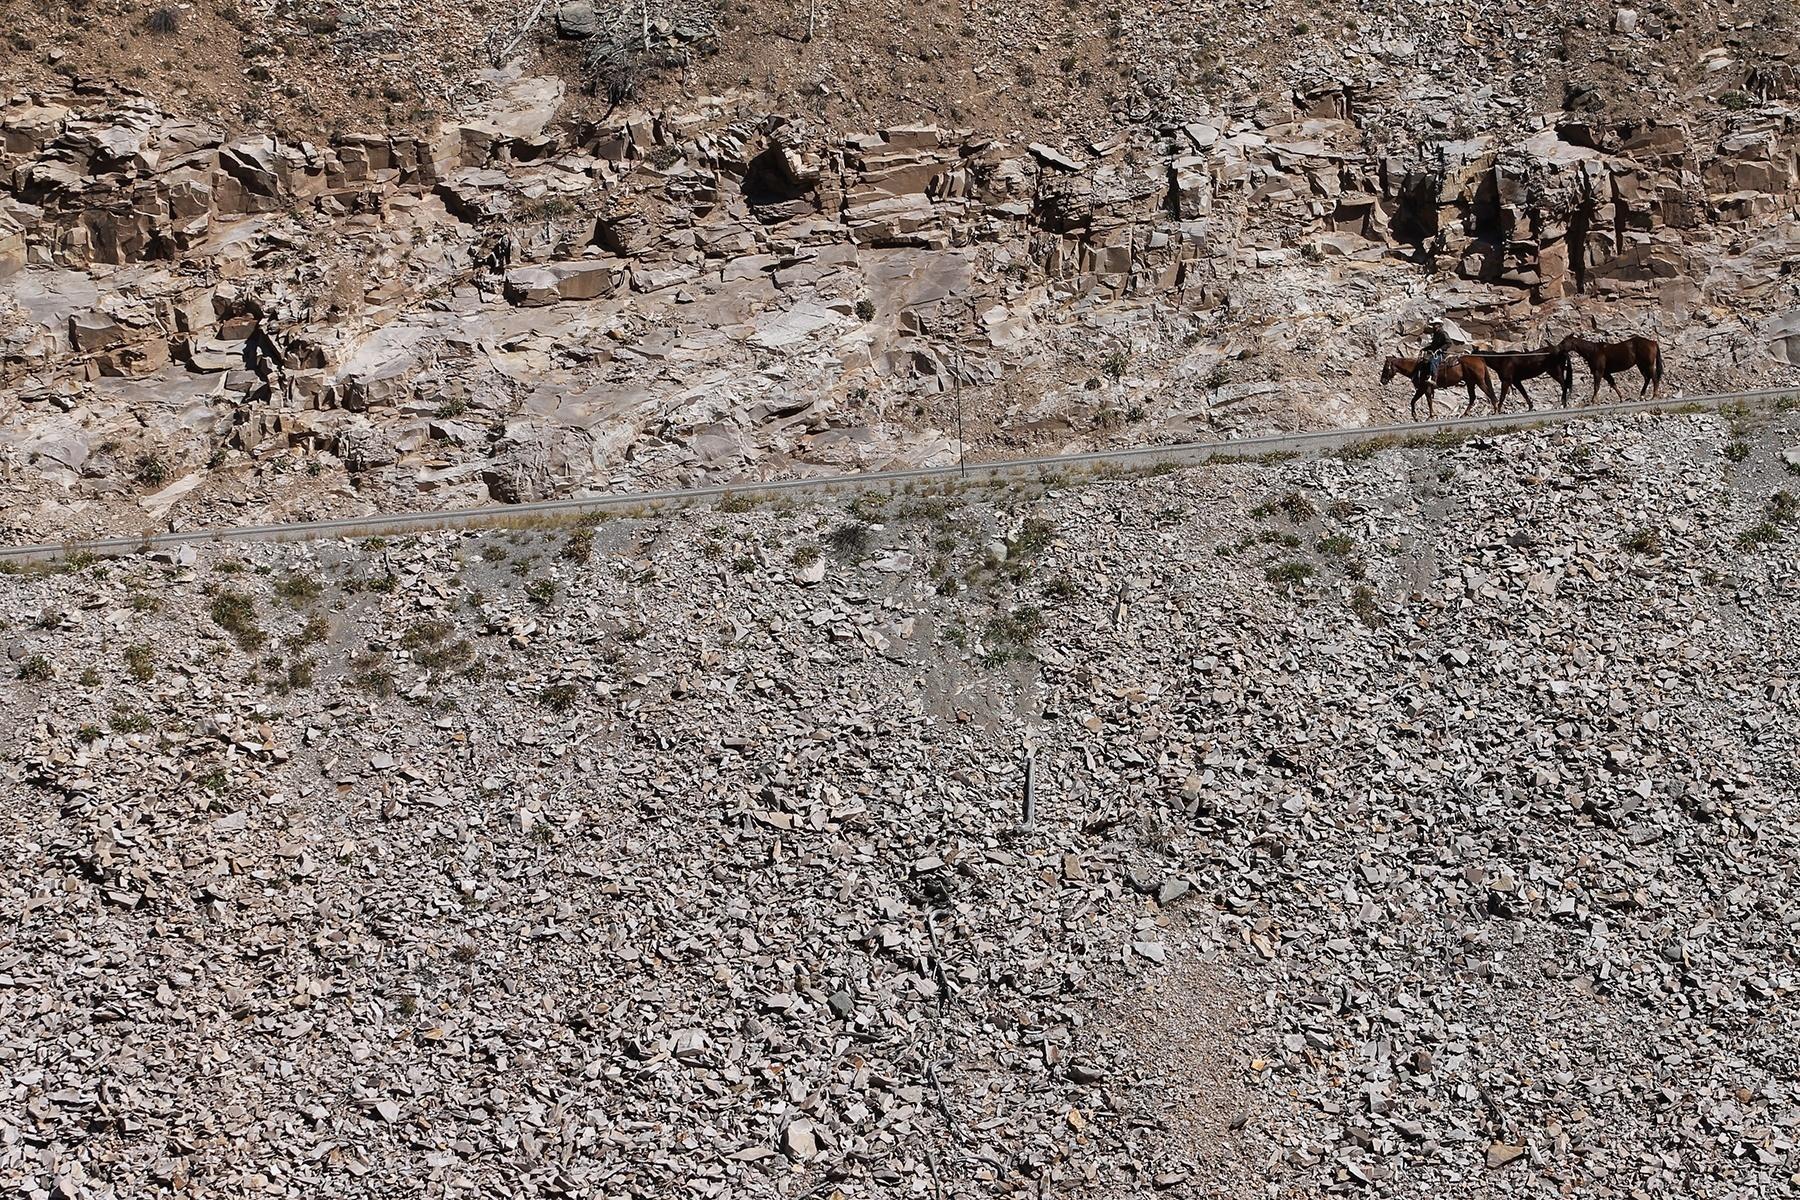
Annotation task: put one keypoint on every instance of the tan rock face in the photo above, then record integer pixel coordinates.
(651, 280)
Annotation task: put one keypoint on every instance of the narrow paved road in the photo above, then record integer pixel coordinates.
(1139, 457)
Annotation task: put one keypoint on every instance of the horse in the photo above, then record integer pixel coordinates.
(1467, 369)
(1606, 359)
(1513, 367)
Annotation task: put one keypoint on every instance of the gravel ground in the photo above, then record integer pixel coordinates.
(1420, 822)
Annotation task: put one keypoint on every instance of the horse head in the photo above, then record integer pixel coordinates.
(1389, 368)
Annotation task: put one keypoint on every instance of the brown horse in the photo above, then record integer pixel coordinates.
(1606, 359)
(1513, 367)
(1467, 369)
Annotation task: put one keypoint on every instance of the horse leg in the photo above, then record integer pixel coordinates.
(1470, 384)
(1524, 395)
(1614, 385)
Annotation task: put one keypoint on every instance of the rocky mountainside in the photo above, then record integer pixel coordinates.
(1414, 821)
(653, 246)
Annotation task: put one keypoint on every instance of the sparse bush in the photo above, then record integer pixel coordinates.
(164, 21)
(370, 673)
(559, 697)
(149, 471)
(804, 555)
(141, 662)
(868, 506)
(541, 592)
(1783, 508)
(1298, 507)
(425, 633)
(300, 673)
(579, 548)
(316, 630)
(1362, 603)
(129, 720)
(298, 590)
(35, 669)
(1762, 534)
(1737, 450)
(1009, 633)
(1293, 572)
(1646, 540)
(88, 734)
(1336, 545)
(235, 613)
(1034, 537)
(865, 310)
(736, 502)
(1061, 587)
(446, 656)
(1116, 364)
(851, 540)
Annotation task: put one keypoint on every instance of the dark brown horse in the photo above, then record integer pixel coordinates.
(1513, 367)
(1606, 359)
(1467, 369)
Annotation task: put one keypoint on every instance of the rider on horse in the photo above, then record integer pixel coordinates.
(1437, 345)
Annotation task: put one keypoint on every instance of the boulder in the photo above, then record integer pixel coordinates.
(90, 331)
(1783, 334)
(12, 247)
(550, 283)
(362, 447)
(576, 19)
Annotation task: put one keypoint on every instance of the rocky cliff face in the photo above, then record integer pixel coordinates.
(552, 292)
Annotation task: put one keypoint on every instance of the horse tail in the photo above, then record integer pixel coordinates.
(1656, 349)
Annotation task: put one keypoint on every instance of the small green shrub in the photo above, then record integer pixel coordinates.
(541, 592)
(235, 613)
(129, 720)
(1293, 572)
(579, 547)
(559, 697)
(370, 672)
(1762, 534)
(35, 669)
(141, 662)
(851, 540)
(298, 590)
(425, 633)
